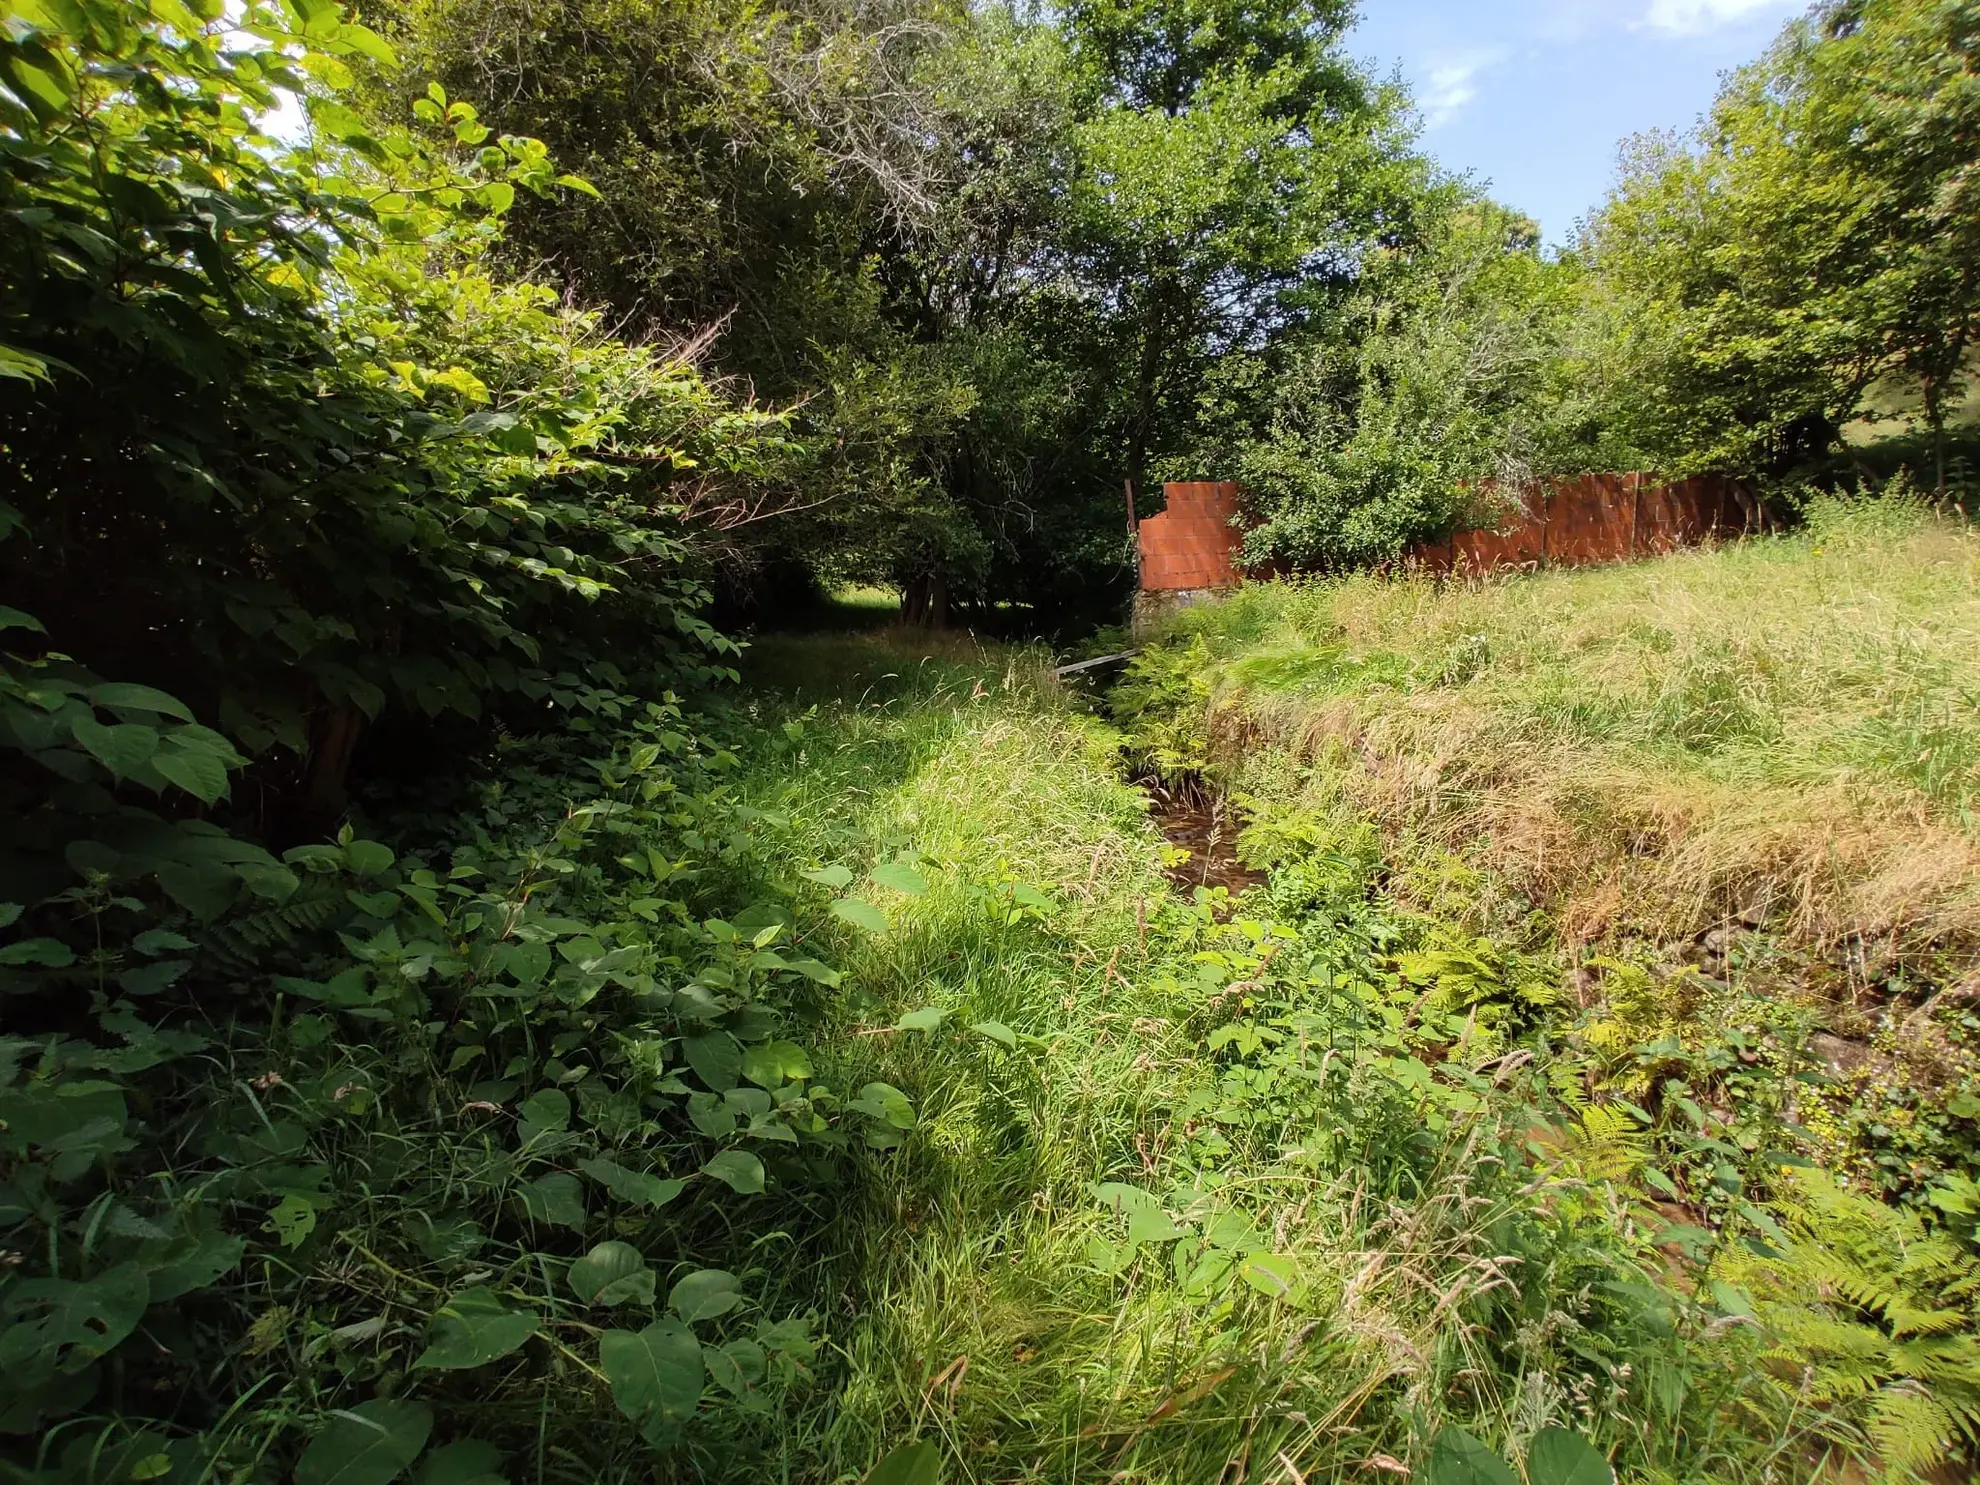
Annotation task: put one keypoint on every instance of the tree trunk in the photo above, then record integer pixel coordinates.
(925, 601)
(323, 795)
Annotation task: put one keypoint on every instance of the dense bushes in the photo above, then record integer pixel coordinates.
(288, 1143)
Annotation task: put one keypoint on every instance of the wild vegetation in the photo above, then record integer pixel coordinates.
(465, 1017)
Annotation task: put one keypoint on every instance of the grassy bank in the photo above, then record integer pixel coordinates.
(1784, 731)
(1190, 1195)
(1707, 822)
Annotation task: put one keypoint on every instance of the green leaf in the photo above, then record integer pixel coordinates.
(736, 1366)
(150, 979)
(656, 1376)
(612, 1273)
(1456, 1458)
(771, 1064)
(292, 1220)
(631, 1185)
(716, 1058)
(122, 749)
(860, 914)
(911, 1464)
(51, 953)
(1561, 1457)
(997, 1031)
(474, 1327)
(13, 618)
(898, 876)
(554, 1198)
(123, 696)
(197, 771)
(739, 1170)
(370, 1444)
(928, 1018)
(886, 1103)
(547, 1111)
(188, 1269)
(835, 877)
(156, 941)
(463, 1462)
(62, 1325)
(704, 1294)
(368, 858)
(1271, 1274)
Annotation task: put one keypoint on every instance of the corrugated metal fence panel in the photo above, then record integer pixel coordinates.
(1598, 518)
(1591, 519)
(1561, 523)
(1192, 543)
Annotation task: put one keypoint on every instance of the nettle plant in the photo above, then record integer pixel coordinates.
(386, 1144)
(348, 1156)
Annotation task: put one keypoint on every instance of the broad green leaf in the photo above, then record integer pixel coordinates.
(736, 1366)
(155, 941)
(860, 914)
(997, 1031)
(631, 1185)
(1456, 1458)
(185, 1269)
(124, 697)
(51, 953)
(547, 1111)
(897, 876)
(474, 1327)
(370, 1444)
(1118, 1196)
(911, 1464)
(463, 1462)
(927, 1018)
(612, 1273)
(13, 618)
(555, 1198)
(1271, 1274)
(772, 1064)
(1560, 1457)
(739, 1170)
(368, 858)
(150, 979)
(656, 1376)
(63, 1324)
(292, 1220)
(835, 877)
(195, 770)
(704, 1294)
(716, 1058)
(886, 1103)
(123, 749)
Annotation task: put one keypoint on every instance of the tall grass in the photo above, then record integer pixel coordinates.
(1786, 727)
(962, 1283)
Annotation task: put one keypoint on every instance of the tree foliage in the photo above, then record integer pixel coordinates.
(1815, 240)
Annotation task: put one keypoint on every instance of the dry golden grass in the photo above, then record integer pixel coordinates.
(1787, 728)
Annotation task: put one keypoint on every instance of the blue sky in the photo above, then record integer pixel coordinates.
(1532, 97)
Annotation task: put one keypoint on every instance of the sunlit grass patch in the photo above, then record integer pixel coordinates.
(1790, 721)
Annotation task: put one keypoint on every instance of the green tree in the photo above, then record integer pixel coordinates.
(1816, 237)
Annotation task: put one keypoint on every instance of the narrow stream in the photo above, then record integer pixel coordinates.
(1205, 826)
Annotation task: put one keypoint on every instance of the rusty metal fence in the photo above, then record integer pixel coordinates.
(1193, 544)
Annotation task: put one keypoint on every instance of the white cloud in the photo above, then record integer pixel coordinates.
(1448, 84)
(1699, 17)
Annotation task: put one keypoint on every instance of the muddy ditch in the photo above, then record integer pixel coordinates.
(1206, 825)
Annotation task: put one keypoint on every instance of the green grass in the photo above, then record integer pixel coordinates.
(1789, 726)
(969, 1286)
